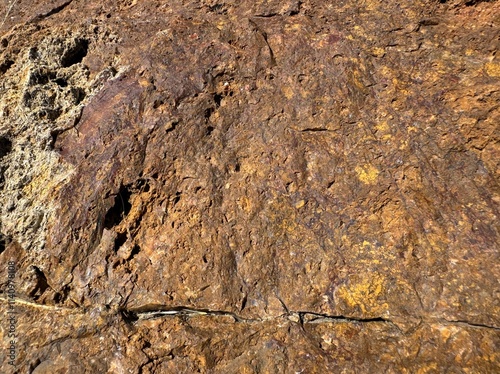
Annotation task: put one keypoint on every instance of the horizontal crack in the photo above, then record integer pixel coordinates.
(303, 317)
(473, 324)
(152, 312)
(311, 317)
(314, 129)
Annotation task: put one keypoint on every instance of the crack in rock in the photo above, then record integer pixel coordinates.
(146, 313)
(51, 12)
(153, 312)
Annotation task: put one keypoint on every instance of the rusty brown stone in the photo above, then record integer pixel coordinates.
(250, 187)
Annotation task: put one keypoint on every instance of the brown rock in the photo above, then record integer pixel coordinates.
(250, 187)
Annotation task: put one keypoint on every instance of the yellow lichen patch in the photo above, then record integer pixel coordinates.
(446, 333)
(144, 82)
(382, 127)
(378, 52)
(357, 79)
(386, 71)
(429, 368)
(221, 25)
(367, 174)
(293, 27)
(300, 204)
(245, 204)
(288, 92)
(493, 69)
(364, 292)
(371, 6)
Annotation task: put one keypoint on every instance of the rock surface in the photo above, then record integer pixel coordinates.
(250, 187)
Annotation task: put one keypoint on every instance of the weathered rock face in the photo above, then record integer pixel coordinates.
(250, 187)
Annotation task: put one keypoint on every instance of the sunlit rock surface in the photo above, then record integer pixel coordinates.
(250, 186)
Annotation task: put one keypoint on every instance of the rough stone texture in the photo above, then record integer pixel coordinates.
(251, 187)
